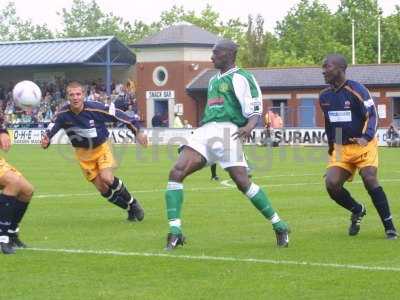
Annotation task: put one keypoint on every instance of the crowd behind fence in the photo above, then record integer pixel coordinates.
(54, 97)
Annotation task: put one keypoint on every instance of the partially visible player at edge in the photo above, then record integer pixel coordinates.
(14, 199)
(233, 108)
(351, 122)
(84, 123)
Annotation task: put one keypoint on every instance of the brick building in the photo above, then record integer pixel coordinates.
(167, 62)
(174, 66)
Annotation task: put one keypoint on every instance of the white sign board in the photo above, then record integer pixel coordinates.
(160, 94)
(382, 111)
(288, 136)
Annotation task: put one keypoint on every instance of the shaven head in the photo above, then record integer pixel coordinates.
(338, 60)
(224, 54)
(334, 69)
(228, 46)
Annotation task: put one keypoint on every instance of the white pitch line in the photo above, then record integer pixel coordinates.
(224, 185)
(227, 183)
(221, 258)
(134, 192)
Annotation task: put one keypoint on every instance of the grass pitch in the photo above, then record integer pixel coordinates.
(83, 248)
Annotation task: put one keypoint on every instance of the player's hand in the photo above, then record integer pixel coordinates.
(360, 141)
(45, 142)
(141, 139)
(242, 133)
(5, 142)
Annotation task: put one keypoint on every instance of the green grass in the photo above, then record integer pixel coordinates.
(67, 213)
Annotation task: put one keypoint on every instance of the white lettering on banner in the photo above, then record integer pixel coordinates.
(27, 136)
(122, 136)
(287, 136)
(339, 116)
(160, 94)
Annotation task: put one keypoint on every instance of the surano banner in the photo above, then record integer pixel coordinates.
(167, 136)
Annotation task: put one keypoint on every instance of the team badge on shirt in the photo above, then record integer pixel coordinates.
(346, 104)
(91, 123)
(223, 87)
(256, 104)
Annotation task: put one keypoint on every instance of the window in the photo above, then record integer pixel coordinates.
(160, 76)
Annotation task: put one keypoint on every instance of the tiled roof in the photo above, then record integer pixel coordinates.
(179, 35)
(63, 51)
(311, 77)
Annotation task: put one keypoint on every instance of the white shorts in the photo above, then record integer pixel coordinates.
(214, 141)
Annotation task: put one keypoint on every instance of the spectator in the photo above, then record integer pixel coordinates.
(156, 121)
(268, 119)
(130, 112)
(177, 122)
(122, 102)
(393, 137)
(276, 121)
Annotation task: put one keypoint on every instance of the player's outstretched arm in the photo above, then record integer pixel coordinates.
(360, 141)
(55, 125)
(5, 142)
(141, 138)
(116, 115)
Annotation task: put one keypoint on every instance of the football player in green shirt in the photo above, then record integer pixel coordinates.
(234, 105)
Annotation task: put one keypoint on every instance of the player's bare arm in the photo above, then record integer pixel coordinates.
(360, 141)
(141, 138)
(245, 131)
(5, 142)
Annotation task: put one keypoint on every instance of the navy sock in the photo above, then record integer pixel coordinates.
(7, 209)
(115, 198)
(115, 183)
(118, 194)
(381, 204)
(344, 199)
(20, 209)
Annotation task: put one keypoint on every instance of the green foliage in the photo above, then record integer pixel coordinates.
(13, 27)
(365, 14)
(391, 37)
(306, 34)
(254, 52)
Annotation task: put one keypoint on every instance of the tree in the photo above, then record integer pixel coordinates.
(14, 28)
(255, 50)
(87, 19)
(209, 20)
(365, 14)
(307, 35)
(391, 37)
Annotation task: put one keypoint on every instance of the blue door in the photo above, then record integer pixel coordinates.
(307, 113)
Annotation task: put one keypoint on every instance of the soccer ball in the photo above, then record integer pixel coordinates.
(27, 94)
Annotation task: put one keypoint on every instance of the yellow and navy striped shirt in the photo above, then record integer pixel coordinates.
(88, 129)
(349, 112)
